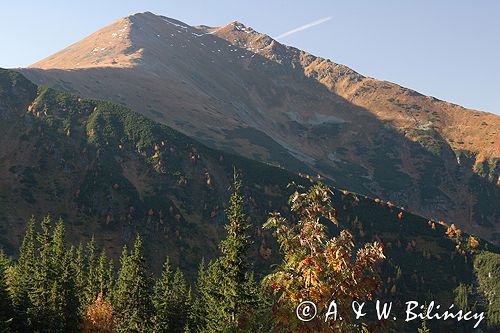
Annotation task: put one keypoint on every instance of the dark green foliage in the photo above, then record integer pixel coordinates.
(228, 291)
(15, 89)
(487, 265)
(172, 302)
(91, 288)
(6, 309)
(161, 299)
(49, 282)
(429, 139)
(105, 275)
(80, 277)
(22, 281)
(43, 285)
(94, 275)
(199, 308)
(179, 310)
(131, 298)
(64, 292)
(463, 295)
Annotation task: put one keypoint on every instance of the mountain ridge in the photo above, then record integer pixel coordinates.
(241, 91)
(269, 48)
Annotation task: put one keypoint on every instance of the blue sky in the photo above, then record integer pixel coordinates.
(449, 49)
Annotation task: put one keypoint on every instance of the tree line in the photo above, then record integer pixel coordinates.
(55, 288)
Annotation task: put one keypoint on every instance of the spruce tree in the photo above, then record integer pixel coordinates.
(58, 247)
(91, 274)
(171, 302)
(179, 307)
(41, 310)
(111, 279)
(132, 303)
(80, 277)
(97, 276)
(105, 275)
(64, 298)
(22, 278)
(70, 294)
(162, 298)
(53, 301)
(229, 292)
(6, 310)
(199, 307)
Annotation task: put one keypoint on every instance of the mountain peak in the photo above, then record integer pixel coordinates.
(107, 47)
(120, 44)
(238, 26)
(162, 44)
(237, 89)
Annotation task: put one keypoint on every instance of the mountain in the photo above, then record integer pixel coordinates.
(111, 173)
(242, 92)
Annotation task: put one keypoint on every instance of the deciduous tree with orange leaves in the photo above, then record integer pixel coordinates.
(319, 268)
(99, 317)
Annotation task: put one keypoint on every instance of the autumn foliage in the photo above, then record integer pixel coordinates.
(99, 317)
(463, 245)
(317, 267)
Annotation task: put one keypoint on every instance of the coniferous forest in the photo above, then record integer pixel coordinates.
(58, 287)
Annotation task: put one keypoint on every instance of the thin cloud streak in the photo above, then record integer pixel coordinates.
(304, 27)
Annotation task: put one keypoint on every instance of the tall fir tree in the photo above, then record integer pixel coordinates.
(132, 303)
(6, 309)
(41, 310)
(161, 299)
(80, 277)
(171, 301)
(227, 289)
(105, 275)
(72, 315)
(179, 306)
(199, 307)
(22, 278)
(53, 306)
(91, 271)
(64, 293)
(97, 276)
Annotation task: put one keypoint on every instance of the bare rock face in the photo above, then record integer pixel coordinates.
(238, 90)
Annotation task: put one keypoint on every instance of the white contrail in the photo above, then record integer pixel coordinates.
(304, 27)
